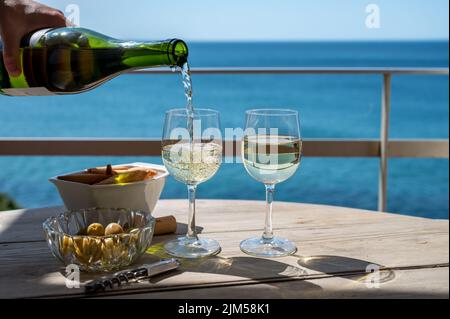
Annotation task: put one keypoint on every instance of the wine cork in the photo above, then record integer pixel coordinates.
(165, 225)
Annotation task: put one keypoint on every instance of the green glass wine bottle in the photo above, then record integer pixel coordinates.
(74, 60)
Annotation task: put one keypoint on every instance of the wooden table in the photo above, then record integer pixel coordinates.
(335, 246)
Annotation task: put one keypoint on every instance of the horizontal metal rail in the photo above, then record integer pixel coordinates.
(437, 148)
(302, 70)
(383, 148)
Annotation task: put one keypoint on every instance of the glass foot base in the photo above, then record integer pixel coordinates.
(275, 247)
(185, 247)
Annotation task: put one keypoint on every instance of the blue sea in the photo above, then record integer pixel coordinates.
(330, 106)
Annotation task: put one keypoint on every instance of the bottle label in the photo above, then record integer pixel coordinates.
(36, 91)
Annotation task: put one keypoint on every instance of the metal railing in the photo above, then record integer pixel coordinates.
(382, 148)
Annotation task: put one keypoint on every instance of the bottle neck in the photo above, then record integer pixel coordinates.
(152, 54)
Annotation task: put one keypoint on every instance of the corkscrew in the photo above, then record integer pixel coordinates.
(133, 275)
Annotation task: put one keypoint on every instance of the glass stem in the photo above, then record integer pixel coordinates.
(191, 233)
(268, 232)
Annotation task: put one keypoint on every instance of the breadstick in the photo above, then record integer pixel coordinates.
(84, 178)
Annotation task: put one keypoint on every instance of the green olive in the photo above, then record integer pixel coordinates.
(95, 229)
(67, 245)
(113, 228)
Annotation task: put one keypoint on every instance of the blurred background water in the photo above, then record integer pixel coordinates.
(330, 106)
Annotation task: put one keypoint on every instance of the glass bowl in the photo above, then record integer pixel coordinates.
(67, 239)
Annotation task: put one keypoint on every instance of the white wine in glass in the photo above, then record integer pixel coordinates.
(271, 159)
(192, 163)
(271, 152)
(192, 160)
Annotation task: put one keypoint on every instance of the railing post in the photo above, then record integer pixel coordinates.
(384, 140)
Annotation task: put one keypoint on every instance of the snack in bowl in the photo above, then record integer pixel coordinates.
(107, 175)
(68, 242)
(134, 186)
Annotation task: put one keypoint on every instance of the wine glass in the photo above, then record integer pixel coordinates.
(192, 153)
(271, 150)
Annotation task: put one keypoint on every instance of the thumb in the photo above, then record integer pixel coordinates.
(11, 56)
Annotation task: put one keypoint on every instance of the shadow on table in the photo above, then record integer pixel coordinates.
(245, 267)
(349, 268)
(256, 270)
(261, 269)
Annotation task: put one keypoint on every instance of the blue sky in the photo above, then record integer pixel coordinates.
(263, 19)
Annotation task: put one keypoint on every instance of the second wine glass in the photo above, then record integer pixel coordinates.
(271, 151)
(192, 153)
